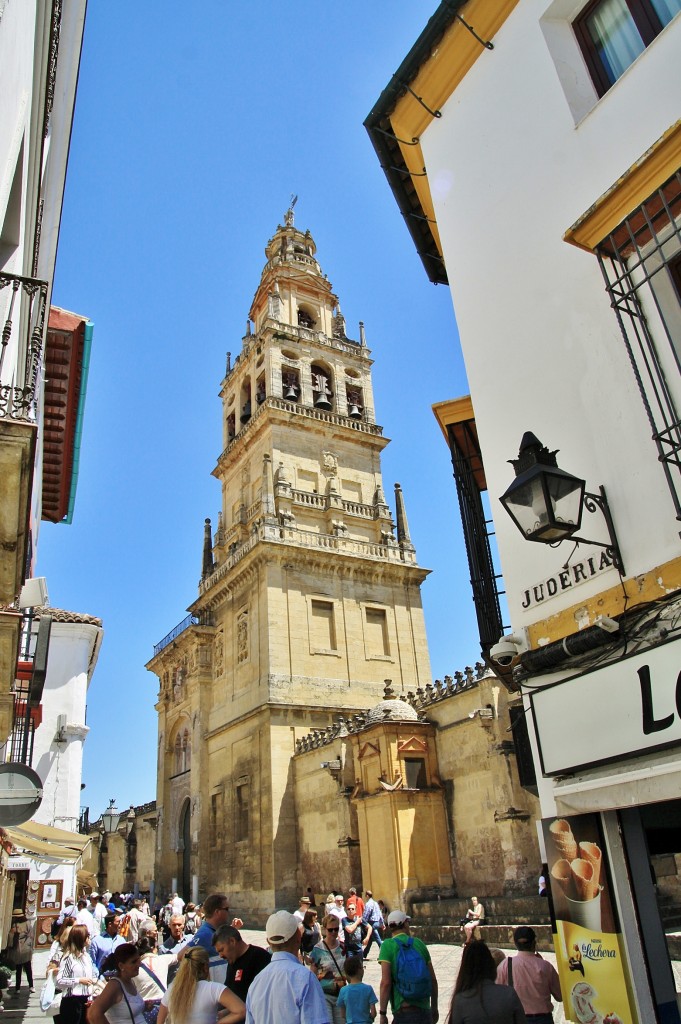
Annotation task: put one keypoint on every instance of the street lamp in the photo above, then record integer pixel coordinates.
(111, 817)
(546, 503)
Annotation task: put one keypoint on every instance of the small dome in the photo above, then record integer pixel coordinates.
(392, 711)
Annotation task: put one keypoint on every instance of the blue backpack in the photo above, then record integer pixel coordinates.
(412, 977)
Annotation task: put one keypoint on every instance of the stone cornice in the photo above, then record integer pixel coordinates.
(277, 409)
(359, 559)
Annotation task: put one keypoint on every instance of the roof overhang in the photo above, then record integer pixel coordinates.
(66, 370)
(455, 37)
(457, 423)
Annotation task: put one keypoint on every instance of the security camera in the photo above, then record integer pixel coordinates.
(507, 649)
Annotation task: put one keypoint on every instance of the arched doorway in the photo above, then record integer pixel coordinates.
(185, 850)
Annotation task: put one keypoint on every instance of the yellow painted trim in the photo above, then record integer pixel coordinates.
(629, 192)
(650, 586)
(449, 62)
(454, 410)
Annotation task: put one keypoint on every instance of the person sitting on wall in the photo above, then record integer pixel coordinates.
(475, 915)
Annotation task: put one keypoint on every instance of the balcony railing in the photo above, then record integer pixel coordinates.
(191, 620)
(23, 303)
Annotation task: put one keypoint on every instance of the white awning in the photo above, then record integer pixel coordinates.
(48, 842)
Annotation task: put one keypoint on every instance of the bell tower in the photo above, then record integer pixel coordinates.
(309, 594)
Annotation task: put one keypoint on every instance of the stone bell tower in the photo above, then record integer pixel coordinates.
(309, 596)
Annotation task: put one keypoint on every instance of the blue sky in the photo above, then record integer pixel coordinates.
(194, 124)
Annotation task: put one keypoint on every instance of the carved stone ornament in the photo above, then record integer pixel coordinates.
(330, 463)
(219, 653)
(242, 636)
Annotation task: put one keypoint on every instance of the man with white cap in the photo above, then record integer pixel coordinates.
(407, 976)
(286, 992)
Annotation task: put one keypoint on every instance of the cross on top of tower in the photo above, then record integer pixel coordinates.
(288, 217)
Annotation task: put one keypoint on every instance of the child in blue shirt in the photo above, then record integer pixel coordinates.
(356, 1001)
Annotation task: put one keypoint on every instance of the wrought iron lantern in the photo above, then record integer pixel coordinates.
(111, 817)
(546, 503)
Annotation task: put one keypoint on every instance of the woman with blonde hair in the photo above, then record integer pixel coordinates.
(194, 999)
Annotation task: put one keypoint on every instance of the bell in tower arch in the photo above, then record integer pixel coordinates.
(354, 398)
(321, 389)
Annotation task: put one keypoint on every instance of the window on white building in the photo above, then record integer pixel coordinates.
(641, 263)
(612, 34)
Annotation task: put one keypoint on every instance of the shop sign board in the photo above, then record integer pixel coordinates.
(626, 708)
(590, 954)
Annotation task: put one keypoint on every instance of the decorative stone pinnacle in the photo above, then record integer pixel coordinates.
(208, 565)
(388, 692)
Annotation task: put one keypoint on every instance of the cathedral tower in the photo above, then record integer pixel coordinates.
(309, 596)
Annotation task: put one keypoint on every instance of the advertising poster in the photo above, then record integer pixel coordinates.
(589, 948)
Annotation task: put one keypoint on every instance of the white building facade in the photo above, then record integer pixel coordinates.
(44, 356)
(534, 149)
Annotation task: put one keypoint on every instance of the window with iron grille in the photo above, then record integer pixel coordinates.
(641, 264)
(613, 33)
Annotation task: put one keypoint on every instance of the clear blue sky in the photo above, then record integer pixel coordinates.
(194, 124)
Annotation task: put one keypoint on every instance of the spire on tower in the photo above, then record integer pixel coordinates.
(403, 538)
(208, 564)
(267, 494)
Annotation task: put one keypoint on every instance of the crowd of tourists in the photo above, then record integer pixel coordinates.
(116, 960)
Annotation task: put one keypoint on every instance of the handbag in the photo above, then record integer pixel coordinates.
(151, 1014)
(338, 983)
(50, 998)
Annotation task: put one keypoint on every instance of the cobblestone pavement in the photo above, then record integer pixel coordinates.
(25, 1008)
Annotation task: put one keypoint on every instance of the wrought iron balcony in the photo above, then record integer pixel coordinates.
(190, 620)
(23, 302)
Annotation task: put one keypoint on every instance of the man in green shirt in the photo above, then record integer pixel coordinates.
(411, 1006)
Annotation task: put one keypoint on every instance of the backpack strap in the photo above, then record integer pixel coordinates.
(510, 972)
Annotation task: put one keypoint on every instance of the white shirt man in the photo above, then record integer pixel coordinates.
(84, 916)
(303, 908)
(177, 904)
(285, 991)
(99, 911)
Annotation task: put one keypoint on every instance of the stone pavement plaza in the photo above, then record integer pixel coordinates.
(446, 960)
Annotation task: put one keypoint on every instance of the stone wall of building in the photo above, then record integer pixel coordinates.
(326, 821)
(126, 857)
(488, 834)
(492, 819)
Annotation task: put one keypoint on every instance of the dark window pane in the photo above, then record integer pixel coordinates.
(615, 37)
(666, 9)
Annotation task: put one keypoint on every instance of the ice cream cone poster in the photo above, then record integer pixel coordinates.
(594, 976)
